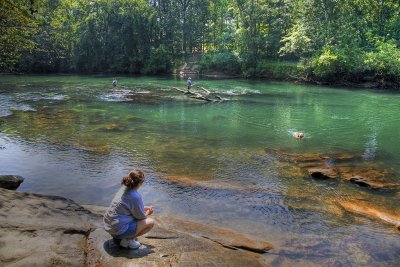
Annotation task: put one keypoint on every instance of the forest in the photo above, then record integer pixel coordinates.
(320, 40)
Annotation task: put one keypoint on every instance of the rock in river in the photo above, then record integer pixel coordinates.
(10, 181)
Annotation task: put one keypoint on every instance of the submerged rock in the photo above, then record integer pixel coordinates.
(366, 175)
(113, 127)
(323, 173)
(131, 118)
(11, 182)
(348, 167)
(366, 209)
(366, 182)
(92, 148)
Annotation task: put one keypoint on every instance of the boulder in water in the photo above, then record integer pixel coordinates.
(348, 167)
(10, 181)
(367, 175)
(323, 173)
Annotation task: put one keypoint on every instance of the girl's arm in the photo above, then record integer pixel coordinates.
(149, 211)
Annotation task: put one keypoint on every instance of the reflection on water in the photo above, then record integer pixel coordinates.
(370, 148)
(76, 136)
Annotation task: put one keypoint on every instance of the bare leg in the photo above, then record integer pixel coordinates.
(143, 226)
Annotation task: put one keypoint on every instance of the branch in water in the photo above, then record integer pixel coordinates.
(199, 96)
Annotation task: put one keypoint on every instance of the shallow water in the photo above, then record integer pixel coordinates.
(76, 136)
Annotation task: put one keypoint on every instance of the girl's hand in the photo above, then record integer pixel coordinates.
(149, 210)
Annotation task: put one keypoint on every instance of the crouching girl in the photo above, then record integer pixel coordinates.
(127, 218)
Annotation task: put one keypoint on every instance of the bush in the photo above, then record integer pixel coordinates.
(225, 61)
(336, 63)
(159, 62)
(279, 69)
(384, 62)
(326, 64)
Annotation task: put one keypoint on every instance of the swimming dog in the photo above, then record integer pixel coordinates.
(298, 135)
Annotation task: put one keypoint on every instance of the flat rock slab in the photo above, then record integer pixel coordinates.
(165, 247)
(366, 209)
(39, 247)
(221, 236)
(37, 230)
(34, 211)
(175, 242)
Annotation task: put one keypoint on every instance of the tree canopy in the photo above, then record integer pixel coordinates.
(328, 39)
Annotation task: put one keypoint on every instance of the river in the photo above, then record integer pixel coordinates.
(214, 162)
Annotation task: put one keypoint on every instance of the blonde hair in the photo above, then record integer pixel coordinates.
(134, 178)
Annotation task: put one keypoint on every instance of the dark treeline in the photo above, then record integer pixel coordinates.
(323, 40)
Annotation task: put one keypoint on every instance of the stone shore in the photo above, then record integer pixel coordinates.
(39, 230)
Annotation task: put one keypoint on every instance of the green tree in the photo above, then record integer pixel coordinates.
(18, 22)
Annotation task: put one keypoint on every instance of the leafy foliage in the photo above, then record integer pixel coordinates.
(225, 61)
(322, 39)
(336, 63)
(159, 62)
(18, 24)
(384, 61)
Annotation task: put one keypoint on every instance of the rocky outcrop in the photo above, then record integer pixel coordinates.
(37, 230)
(193, 183)
(10, 181)
(367, 175)
(40, 230)
(177, 243)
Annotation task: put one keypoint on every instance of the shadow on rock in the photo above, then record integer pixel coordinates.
(117, 251)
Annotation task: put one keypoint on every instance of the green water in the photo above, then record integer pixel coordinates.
(76, 136)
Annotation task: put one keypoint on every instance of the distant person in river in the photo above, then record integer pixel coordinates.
(114, 82)
(127, 218)
(189, 83)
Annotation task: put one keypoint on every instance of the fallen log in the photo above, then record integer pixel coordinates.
(199, 96)
(204, 89)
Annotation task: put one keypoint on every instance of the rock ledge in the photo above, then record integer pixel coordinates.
(38, 230)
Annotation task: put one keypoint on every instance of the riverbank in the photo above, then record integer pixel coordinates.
(288, 71)
(369, 84)
(268, 75)
(39, 230)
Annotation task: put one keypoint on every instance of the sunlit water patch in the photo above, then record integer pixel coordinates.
(38, 96)
(23, 107)
(117, 95)
(237, 91)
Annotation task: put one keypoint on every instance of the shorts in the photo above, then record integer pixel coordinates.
(129, 233)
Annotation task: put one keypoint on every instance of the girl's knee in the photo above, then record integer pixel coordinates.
(150, 222)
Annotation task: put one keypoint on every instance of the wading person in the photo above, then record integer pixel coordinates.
(127, 218)
(189, 83)
(114, 82)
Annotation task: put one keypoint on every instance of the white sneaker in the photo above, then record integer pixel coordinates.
(130, 243)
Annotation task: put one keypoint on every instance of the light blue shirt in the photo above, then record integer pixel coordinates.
(127, 206)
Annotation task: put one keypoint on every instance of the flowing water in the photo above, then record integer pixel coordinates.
(76, 136)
